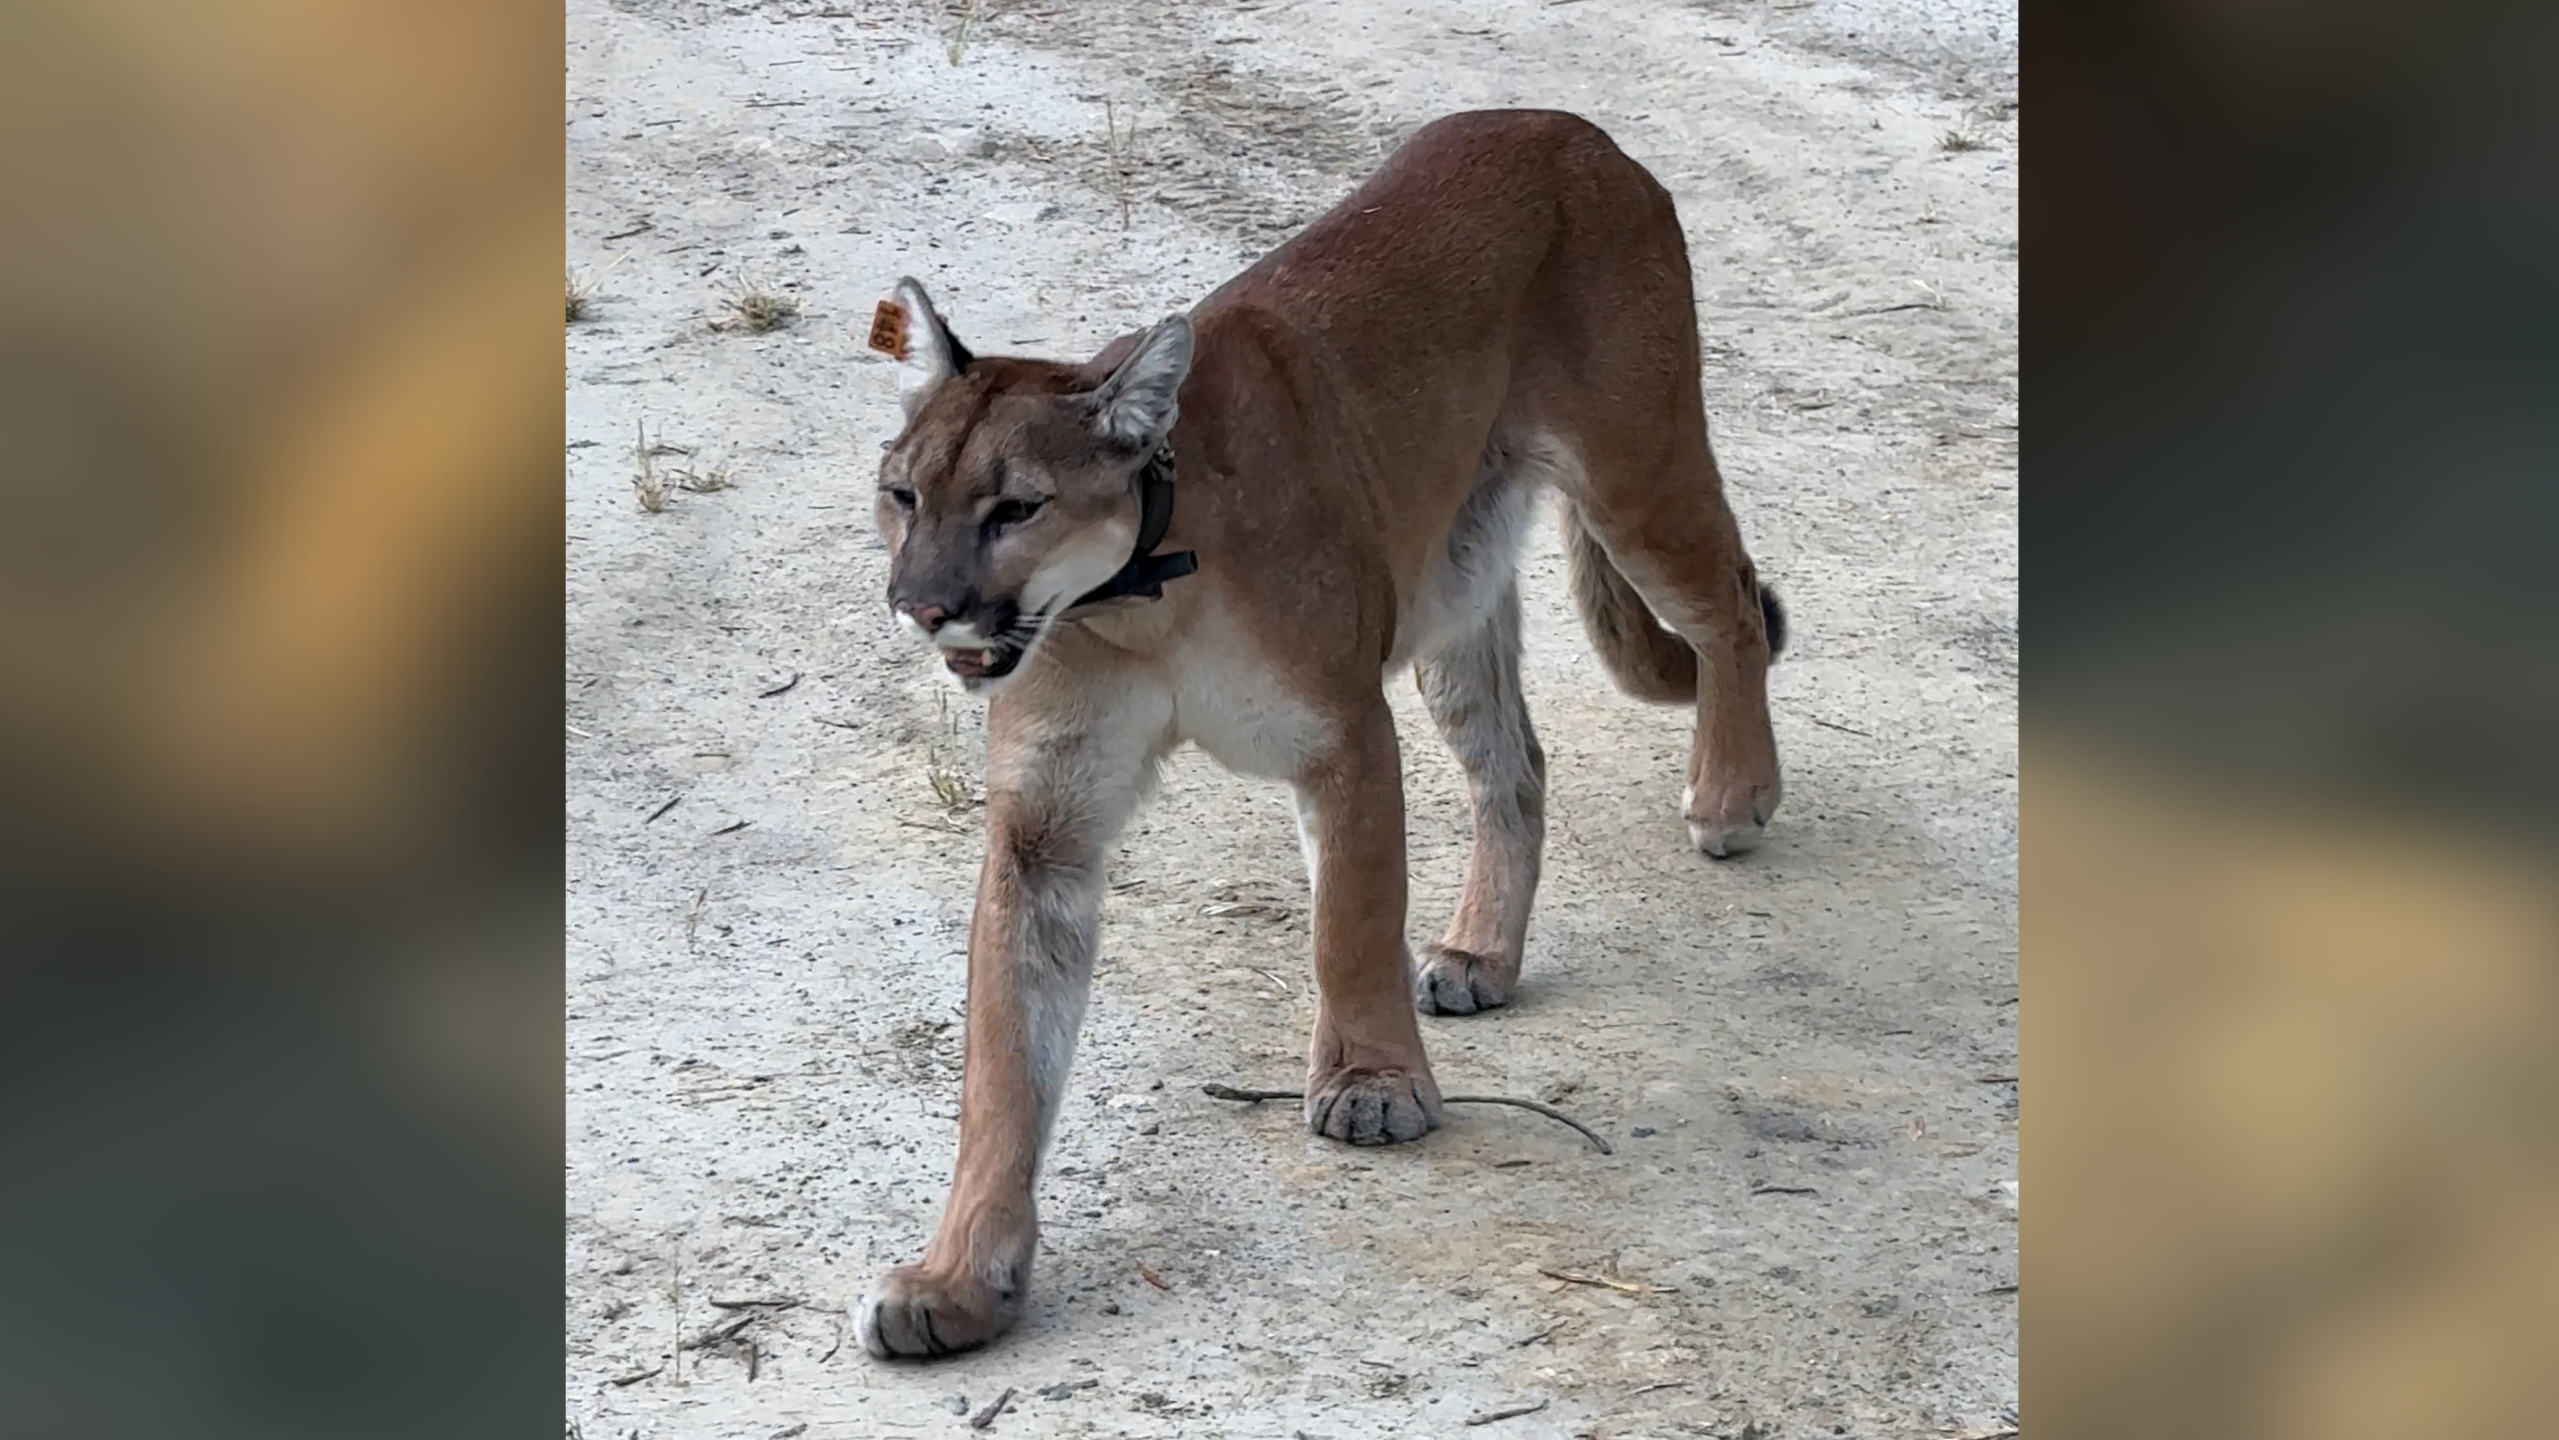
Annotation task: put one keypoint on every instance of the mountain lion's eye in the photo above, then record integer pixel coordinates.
(905, 498)
(1011, 512)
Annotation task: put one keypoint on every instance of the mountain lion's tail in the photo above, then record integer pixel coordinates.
(1647, 661)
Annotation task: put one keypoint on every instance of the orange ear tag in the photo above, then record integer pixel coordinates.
(888, 329)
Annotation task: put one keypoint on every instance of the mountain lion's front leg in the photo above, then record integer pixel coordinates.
(1060, 784)
(1367, 1080)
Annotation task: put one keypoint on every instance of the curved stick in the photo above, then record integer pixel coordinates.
(1549, 1111)
(1229, 1092)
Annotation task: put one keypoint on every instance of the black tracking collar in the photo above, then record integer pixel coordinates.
(1143, 577)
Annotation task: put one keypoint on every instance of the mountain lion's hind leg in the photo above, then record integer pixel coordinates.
(1667, 530)
(1473, 692)
(1367, 1080)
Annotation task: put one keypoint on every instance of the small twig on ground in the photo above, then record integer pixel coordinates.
(784, 1304)
(662, 809)
(1229, 1092)
(1835, 725)
(1631, 1287)
(1150, 1277)
(1540, 1335)
(1783, 1190)
(1514, 1412)
(994, 1407)
(720, 1334)
(1548, 1111)
(1996, 1079)
(1660, 1385)
(782, 689)
(621, 1380)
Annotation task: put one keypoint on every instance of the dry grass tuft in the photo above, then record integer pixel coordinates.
(1123, 152)
(758, 307)
(960, 41)
(647, 481)
(942, 765)
(657, 487)
(581, 298)
(1958, 141)
(702, 482)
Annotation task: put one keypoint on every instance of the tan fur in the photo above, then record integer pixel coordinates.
(1645, 660)
(1361, 422)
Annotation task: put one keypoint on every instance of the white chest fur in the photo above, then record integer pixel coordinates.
(1229, 704)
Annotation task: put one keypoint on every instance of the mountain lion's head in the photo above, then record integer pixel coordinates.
(1013, 488)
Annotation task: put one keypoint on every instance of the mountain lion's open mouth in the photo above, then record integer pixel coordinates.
(991, 663)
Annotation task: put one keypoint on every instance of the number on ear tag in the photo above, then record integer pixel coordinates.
(888, 330)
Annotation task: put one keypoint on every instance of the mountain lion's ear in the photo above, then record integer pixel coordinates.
(908, 328)
(1137, 406)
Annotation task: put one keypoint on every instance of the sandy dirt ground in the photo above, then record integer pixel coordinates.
(1803, 1055)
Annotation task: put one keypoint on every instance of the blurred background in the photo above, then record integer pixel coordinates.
(280, 531)
(280, 537)
(2290, 1109)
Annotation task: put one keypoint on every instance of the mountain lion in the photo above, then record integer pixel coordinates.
(1339, 452)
